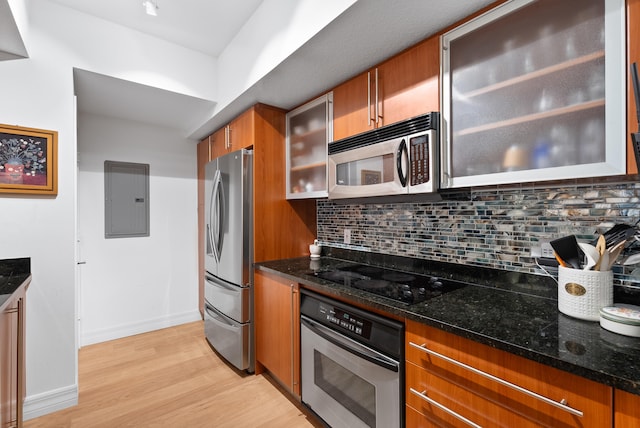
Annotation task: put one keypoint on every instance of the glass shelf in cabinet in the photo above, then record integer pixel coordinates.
(574, 108)
(595, 56)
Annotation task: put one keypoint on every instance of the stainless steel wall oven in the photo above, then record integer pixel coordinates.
(352, 364)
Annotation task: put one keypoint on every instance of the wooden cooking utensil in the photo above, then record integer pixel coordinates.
(614, 252)
(601, 246)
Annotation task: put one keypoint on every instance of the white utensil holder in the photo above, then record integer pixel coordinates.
(581, 293)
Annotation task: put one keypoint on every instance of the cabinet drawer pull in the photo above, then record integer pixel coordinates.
(443, 408)
(559, 404)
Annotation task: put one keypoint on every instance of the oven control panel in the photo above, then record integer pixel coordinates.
(345, 320)
(382, 334)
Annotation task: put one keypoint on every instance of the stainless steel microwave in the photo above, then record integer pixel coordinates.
(400, 158)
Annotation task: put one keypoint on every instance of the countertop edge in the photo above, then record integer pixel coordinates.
(9, 297)
(607, 379)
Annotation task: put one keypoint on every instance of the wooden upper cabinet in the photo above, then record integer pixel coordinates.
(218, 143)
(408, 84)
(238, 134)
(241, 131)
(351, 107)
(405, 86)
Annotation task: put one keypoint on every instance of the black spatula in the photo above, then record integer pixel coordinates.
(618, 233)
(568, 250)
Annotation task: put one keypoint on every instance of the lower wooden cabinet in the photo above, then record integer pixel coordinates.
(455, 382)
(12, 391)
(277, 329)
(626, 410)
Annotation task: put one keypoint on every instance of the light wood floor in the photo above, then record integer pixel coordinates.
(170, 378)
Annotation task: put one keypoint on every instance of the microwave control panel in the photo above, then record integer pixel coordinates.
(419, 159)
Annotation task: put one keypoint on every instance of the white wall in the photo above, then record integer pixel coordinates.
(134, 285)
(273, 33)
(38, 92)
(151, 282)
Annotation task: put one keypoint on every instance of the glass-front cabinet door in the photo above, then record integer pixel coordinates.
(309, 130)
(532, 91)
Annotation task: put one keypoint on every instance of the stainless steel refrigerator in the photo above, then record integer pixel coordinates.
(229, 257)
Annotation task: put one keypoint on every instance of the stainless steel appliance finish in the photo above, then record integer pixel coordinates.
(229, 256)
(351, 364)
(396, 159)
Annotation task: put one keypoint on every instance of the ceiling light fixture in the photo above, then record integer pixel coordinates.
(151, 7)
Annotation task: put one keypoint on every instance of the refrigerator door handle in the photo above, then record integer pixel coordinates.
(211, 221)
(217, 216)
(209, 248)
(221, 215)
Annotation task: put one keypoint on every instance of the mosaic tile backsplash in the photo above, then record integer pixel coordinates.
(496, 227)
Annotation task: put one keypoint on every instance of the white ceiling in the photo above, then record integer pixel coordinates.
(139, 103)
(367, 33)
(206, 26)
(11, 44)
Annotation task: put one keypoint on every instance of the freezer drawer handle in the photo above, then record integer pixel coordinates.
(218, 317)
(220, 284)
(423, 395)
(350, 345)
(559, 404)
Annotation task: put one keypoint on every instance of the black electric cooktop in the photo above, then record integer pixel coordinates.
(405, 287)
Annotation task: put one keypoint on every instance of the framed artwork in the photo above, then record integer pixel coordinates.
(28, 160)
(370, 177)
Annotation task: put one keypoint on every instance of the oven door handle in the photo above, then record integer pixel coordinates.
(350, 345)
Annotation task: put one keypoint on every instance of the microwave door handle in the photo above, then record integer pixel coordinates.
(400, 155)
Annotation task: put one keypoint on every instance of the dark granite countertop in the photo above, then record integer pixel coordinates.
(514, 312)
(13, 274)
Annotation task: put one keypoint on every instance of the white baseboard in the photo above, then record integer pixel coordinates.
(117, 332)
(49, 402)
(58, 399)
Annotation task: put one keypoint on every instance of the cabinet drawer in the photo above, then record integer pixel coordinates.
(505, 383)
(474, 401)
(415, 419)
